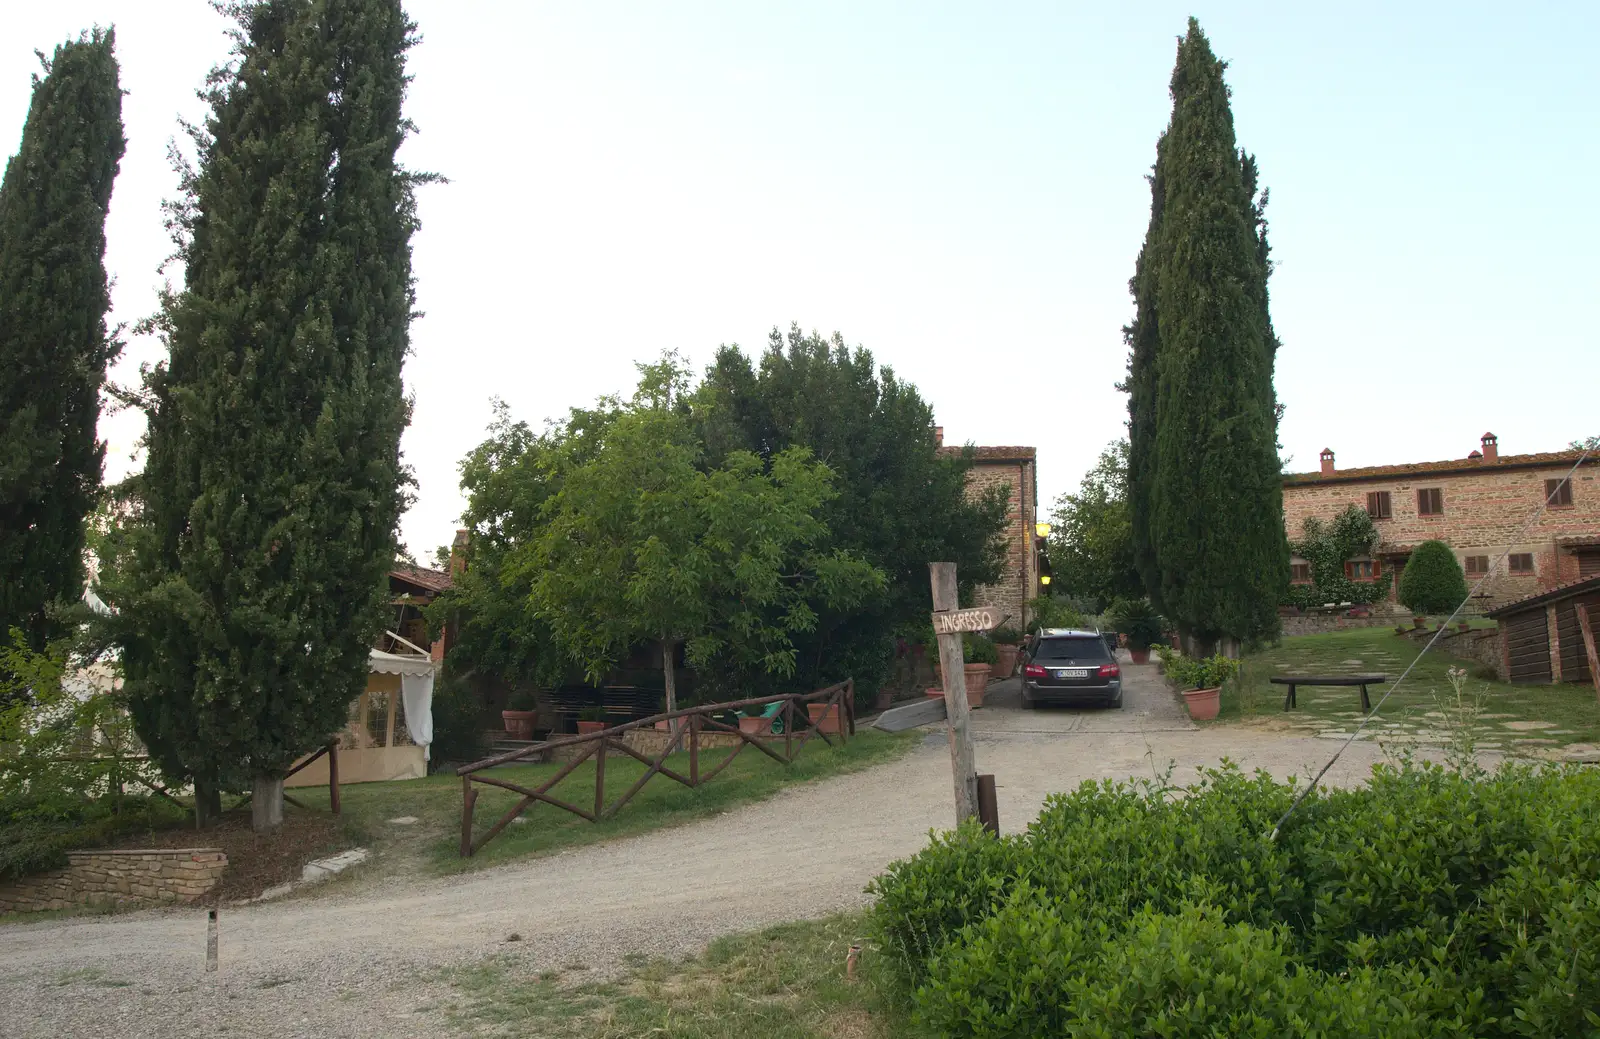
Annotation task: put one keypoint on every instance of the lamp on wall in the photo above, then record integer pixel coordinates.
(1042, 529)
(1044, 579)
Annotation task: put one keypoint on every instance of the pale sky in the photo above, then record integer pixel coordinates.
(958, 188)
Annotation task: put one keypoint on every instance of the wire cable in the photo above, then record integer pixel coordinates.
(1493, 569)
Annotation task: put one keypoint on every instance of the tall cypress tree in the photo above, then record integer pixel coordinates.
(254, 582)
(1216, 505)
(54, 347)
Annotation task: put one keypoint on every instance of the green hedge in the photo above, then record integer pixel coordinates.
(1425, 904)
(1432, 581)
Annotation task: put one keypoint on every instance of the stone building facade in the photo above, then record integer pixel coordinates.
(1015, 469)
(1480, 506)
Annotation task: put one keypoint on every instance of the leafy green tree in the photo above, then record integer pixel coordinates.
(642, 544)
(252, 582)
(901, 503)
(1091, 538)
(1143, 338)
(1326, 547)
(1432, 581)
(54, 346)
(1216, 504)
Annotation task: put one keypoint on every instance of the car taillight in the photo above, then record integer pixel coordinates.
(1034, 671)
(1109, 670)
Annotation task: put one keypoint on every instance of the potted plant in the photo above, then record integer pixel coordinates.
(883, 699)
(1201, 682)
(1138, 620)
(757, 724)
(824, 716)
(1007, 644)
(979, 655)
(520, 713)
(591, 719)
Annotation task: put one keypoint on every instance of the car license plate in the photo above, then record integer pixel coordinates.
(1073, 672)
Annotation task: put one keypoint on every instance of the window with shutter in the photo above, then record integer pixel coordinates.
(1430, 502)
(1361, 569)
(1558, 492)
(1589, 564)
(1522, 562)
(1476, 566)
(1378, 505)
(1299, 573)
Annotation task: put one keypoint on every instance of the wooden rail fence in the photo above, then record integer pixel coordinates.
(837, 702)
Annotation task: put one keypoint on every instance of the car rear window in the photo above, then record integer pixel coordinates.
(1075, 647)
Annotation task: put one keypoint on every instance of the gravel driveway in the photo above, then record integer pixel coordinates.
(364, 961)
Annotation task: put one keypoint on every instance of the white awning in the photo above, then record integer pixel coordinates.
(379, 662)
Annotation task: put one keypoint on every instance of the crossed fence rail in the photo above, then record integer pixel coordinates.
(686, 727)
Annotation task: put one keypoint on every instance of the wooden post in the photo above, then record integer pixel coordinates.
(1552, 625)
(957, 713)
(468, 795)
(599, 780)
(333, 776)
(988, 805)
(1588, 645)
(788, 729)
(694, 750)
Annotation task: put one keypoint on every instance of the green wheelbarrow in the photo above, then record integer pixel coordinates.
(772, 711)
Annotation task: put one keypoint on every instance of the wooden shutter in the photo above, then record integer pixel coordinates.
(1589, 564)
(1430, 502)
(1558, 492)
(1378, 504)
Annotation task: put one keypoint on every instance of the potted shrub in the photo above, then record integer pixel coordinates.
(883, 699)
(980, 656)
(1432, 582)
(522, 710)
(1138, 620)
(591, 719)
(755, 724)
(1007, 644)
(824, 716)
(1201, 682)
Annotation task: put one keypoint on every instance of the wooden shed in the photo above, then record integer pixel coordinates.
(1544, 639)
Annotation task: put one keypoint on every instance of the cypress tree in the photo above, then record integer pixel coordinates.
(1143, 336)
(1216, 508)
(54, 346)
(254, 582)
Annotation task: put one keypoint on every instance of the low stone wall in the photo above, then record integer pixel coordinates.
(1322, 623)
(651, 742)
(1481, 646)
(118, 878)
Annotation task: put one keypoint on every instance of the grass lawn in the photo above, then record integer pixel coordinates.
(435, 802)
(1514, 719)
(786, 982)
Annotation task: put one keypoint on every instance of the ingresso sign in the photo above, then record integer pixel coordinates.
(978, 618)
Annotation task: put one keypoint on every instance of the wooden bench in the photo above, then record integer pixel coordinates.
(1341, 680)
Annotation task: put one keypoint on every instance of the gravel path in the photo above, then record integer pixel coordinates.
(366, 962)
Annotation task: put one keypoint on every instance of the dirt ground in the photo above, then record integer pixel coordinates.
(255, 863)
(365, 960)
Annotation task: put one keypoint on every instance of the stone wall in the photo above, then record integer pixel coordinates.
(1481, 646)
(1321, 623)
(1019, 578)
(1485, 509)
(118, 878)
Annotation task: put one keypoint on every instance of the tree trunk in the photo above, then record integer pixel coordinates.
(668, 673)
(207, 804)
(266, 804)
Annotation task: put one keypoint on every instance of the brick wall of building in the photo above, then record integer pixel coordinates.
(118, 878)
(1486, 505)
(1019, 578)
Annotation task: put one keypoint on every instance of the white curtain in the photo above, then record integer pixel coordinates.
(416, 692)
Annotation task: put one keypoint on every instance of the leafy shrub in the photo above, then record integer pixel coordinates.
(1049, 612)
(458, 734)
(1138, 620)
(1006, 635)
(975, 649)
(38, 829)
(1428, 903)
(1200, 673)
(1432, 581)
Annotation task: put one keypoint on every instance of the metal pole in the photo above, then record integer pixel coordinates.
(957, 714)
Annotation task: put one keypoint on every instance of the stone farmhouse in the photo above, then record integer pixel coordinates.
(1014, 467)
(1479, 505)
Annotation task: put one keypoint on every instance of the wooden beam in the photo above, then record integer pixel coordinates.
(1588, 645)
(957, 713)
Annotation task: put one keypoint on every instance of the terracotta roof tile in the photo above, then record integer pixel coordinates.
(991, 453)
(1452, 466)
(422, 577)
(1558, 592)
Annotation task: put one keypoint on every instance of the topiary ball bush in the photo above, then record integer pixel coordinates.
(1432, 581)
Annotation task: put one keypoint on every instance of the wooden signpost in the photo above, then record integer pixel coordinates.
(1589, 652)
(949, 621)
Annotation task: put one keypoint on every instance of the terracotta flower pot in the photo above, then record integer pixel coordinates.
(519, 724)
(884, 700)
(584, 728)
(933, 692)
(1203, 704)
(1140, 656)
(977, 682)
(824, 716)
(663, 726)
(1419, 622)
(755, 726)
(1008, 661)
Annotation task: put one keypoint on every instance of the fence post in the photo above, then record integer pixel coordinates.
(694, 750)
(957, 712)
(788, 728)
(468, 795)
(600, 778)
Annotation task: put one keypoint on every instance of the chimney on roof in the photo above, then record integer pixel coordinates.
(1327, 461)
(458, 552)
(1476, 456)
(938, 436)
(1491, 448)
